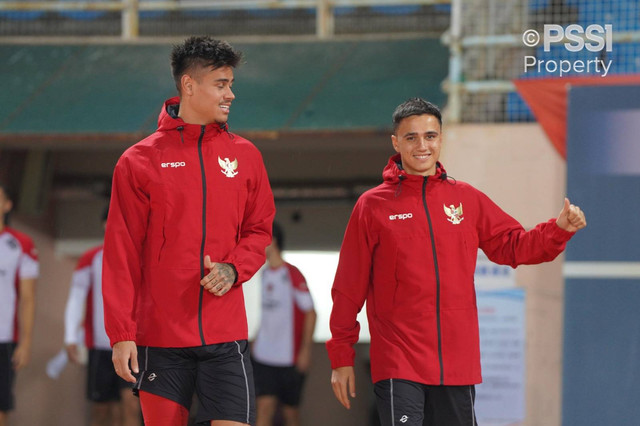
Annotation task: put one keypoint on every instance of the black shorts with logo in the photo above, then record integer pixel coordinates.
(407, 403)
(221, 375)
(283, 382)
(7, 376)
(103, 384)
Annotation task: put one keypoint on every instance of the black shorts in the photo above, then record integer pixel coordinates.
(7, 376)
(406, 403)
(221, 376)
(103, 384)
(283, 382)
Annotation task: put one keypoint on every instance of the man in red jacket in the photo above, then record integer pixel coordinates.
(410, 250)
(190, 217)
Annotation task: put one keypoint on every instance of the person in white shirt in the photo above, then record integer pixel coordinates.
(112, 398)
(19, 269)
(282, 349)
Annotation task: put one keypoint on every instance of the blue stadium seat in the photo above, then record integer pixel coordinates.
(625, 58)
(443, 8)
(535, 5)
(22, 15)
(206, 13)
(517, 109)
(344, 10)
(624, 15)
(395, 10)
(274, 13)
(151, 14)
(82, 14)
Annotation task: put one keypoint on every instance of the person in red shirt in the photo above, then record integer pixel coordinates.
(19, 270)
(190, 216)
(409, 250)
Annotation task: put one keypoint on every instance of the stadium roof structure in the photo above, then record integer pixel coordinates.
(57, 95)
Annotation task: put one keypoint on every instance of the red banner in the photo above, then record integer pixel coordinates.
(547, 98)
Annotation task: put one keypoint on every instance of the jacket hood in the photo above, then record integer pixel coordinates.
(393, 172)
(169, 120)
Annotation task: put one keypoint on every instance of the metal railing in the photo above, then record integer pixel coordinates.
(130, 10)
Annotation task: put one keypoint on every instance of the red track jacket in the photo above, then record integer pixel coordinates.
(410, 250)
(182, 193)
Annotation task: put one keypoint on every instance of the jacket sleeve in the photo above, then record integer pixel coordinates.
(506, 242)
(74, 311)
(350, 288)
(122, 258)
(255, 232)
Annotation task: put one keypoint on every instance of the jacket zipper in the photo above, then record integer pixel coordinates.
(204, 232)
(435, 264)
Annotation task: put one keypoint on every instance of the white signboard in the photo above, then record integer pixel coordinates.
(500, 399)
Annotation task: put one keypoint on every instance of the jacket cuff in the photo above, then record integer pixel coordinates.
(235, 271)
(342, 359)
(341, 362)
(560, 234)
(124, 337)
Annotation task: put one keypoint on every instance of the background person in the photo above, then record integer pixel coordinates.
(282, 348)
(112, 399)
(19, 269)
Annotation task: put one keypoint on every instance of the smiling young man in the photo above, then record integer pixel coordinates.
(190, 217)
(410, 250)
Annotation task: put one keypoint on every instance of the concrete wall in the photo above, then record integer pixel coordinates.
(517, 167)
(513, 163)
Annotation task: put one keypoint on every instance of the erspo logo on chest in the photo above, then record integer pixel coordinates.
(173, 164)
(401, 216)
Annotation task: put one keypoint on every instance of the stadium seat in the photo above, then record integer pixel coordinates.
(624, 15)
(82, 14)
(22, 15)
(151, 14)
(395, 10)
(517, 109)
(536, 5)
(625, 58)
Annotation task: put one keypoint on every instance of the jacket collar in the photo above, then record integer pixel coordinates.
(169, 120)
(393, 172)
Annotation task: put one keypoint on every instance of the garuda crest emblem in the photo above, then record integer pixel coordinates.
(228, 167)
(454, 214)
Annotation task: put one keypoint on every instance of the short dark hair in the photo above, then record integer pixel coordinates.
(7, 191)
(278, 235)
(203, 52)
(414, 106)
(10, 196)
